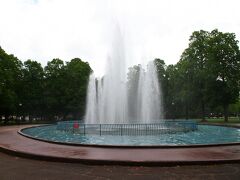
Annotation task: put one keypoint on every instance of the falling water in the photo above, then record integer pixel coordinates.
(107, 97)
(149, 107)
(91, 112)
(107, 100)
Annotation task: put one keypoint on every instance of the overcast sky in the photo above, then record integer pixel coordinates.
(45, 29)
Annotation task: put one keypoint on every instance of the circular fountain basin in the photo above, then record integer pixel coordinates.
(200, 135)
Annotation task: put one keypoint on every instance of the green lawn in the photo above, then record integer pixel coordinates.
(210, 120)
(26, 122)
(221, 120)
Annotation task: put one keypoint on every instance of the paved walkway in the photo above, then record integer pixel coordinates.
(15, 168)
(17, 144)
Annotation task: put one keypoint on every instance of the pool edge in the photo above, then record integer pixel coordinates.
(129, 146)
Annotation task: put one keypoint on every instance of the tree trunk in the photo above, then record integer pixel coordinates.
(225, 107)
(6, 119)
(187, 111)
(30, 118)
(203, 111)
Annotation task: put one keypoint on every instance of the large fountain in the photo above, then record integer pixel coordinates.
(108, 102)
(107, 99)
(119, 105)
(129, 112)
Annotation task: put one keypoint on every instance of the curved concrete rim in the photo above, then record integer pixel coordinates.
(13, 143)
(127, 146)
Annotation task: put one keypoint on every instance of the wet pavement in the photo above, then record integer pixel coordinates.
(16, 144)
(15, 168)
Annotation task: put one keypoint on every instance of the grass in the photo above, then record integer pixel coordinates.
(221, 120)
(24, 123)
(231, 120)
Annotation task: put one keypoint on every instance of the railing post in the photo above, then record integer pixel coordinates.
(121, 129)
(84, 130)
(146, 129)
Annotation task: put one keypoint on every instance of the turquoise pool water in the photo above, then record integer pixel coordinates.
(206, 134)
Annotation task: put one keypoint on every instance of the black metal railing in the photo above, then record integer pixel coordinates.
(127, 129)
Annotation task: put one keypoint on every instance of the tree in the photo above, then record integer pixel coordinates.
(32, 99)
(177, 94)
(161, 73)
(54, 92)
(161, 68)
(213, 65)
(10, 78)
(54, 88)
(170, 92)
(223, 68)
(234, 109)
(195, 58)
(76, 81)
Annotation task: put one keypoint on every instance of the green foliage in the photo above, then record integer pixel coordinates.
(212, 60)
(10, 78)
(205, 82)
(206, 79)
(224, 65)
(32, 97)
(66, 87)
(56, 91)
(160, 67)
(77, 74)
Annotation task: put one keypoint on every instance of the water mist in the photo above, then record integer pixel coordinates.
(107, 97)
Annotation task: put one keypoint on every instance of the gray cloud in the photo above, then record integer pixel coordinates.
(46, 29)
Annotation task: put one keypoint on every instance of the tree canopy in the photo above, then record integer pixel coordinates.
(213, 63)
(55, 91)
(205, 81)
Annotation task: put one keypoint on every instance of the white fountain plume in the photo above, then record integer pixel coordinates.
(111, 103)
(107, 101)
(149, 96)
(91, 112)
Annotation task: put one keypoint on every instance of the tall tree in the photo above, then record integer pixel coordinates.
(54, 90)
(195, 58)
(213, 63)
(224, 69)
(32, 99)
(76, 81)
(10, 78)
(170, 89)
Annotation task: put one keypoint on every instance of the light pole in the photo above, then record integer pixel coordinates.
(173, 105)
